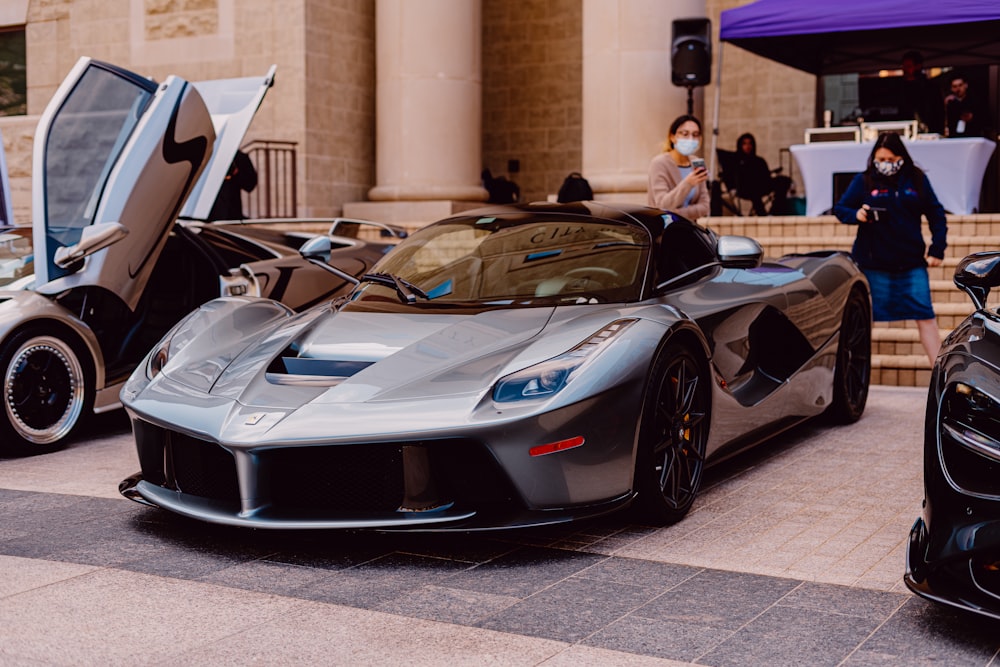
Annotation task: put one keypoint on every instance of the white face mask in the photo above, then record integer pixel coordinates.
(686, 146)
(889, 168)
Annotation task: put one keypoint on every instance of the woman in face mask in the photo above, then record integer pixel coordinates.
(886, 201)
(675, 183)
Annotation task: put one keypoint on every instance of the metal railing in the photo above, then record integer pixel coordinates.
(275, 194)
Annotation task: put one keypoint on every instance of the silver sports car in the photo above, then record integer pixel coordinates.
(106, 268)
(510, 366)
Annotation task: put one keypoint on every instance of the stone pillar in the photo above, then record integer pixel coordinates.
(628, 98)
(428, 101)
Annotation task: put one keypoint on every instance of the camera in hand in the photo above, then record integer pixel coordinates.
(877, 214)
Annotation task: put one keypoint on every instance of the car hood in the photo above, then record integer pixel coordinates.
(342, 357)
(115, 157)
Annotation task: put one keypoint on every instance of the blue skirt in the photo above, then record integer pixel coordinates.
(900, 295)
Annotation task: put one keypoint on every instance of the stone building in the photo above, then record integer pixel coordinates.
(395, 106)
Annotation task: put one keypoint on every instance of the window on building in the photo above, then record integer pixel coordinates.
(13, 72)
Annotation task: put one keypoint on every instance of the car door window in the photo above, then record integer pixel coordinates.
(85, 138)
(683, 247)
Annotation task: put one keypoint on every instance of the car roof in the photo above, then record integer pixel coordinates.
(653, 220)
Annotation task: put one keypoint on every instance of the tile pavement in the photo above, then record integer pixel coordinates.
(792, 555)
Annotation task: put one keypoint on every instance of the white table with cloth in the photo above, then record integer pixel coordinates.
(955, 168)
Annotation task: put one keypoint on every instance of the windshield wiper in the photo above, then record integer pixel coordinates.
(407, 291)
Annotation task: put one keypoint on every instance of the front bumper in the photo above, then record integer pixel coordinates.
(402, 467)
(445, 518)
(968, 580)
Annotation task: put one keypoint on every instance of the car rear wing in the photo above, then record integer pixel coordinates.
(352, 226)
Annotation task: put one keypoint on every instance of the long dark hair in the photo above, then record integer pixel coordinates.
(892, 142)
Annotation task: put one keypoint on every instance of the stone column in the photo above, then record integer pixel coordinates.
(628, 98)
(428, 101)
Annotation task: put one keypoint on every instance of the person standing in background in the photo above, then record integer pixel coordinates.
(242, 177)
(886, 202)
(675, 184)
(965, 115)
(920, 98)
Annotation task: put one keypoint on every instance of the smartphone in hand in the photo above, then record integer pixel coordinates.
(877, 214)
(697, 163)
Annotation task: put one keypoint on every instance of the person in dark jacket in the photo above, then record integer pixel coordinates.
(965, 114)
(886, 202)
(754, 180)
(920, 98)
(242, 177)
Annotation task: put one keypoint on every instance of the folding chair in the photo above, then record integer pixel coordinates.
(729, 175)
(727, 183)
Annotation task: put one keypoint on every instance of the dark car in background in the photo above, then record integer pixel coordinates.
(954, 549)
(108, 267)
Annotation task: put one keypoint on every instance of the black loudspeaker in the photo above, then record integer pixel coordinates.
(691, 52)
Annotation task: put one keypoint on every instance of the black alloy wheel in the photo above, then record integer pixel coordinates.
(854, 361)
(674, 435)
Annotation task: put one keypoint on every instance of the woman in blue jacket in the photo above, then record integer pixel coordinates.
(886, 202)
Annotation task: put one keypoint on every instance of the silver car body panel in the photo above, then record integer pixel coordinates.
(21, 307)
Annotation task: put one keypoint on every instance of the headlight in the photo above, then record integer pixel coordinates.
(174, 340)
(550, 376)
(972, 419)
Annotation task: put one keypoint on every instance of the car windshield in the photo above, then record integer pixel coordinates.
(490, 260)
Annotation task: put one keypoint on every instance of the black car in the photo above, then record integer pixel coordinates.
(954, 550)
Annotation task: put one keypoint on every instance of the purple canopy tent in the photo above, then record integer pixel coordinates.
(865, 35)
(861, 35)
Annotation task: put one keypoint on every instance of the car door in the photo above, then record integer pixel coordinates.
(115, 156)
(233, 103)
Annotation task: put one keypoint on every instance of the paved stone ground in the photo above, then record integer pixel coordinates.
(793, 554)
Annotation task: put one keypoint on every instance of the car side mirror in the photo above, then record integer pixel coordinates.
(976, 274)
(317, 248)
(739, 252)
(93, 238)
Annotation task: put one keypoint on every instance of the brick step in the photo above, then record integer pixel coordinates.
(946, 291)
(896, 341)
(904, 370)
(827, 226)
(958, 247)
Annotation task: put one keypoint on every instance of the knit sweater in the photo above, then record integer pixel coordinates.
(666, 190)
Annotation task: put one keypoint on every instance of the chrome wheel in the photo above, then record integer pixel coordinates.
(44, 390)
(675, 433)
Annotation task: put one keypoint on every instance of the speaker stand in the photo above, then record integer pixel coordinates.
(690, 100)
